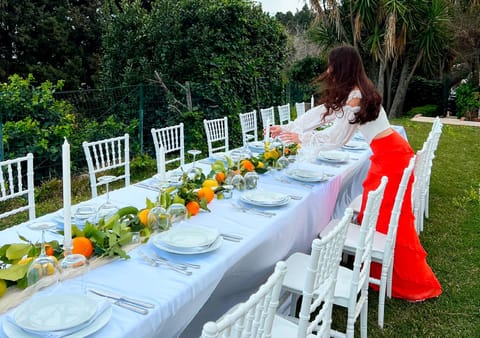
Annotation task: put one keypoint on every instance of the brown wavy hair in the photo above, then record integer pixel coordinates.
(345, 72)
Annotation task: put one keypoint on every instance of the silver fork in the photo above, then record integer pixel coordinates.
(183, 265)
(157, 262)
(253, 211)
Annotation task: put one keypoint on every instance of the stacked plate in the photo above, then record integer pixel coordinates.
(188, 239)
(355, 145)
(333, 156)
(306, 175)
(265, 198)
(221, 156)
(57, 316)
(257, 146)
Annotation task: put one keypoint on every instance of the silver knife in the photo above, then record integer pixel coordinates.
(130, 301)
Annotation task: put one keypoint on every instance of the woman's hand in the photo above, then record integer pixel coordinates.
(289, 137)
(274, 130)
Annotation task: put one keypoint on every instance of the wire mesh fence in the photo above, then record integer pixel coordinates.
(110, 112)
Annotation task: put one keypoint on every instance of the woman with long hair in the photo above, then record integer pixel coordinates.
(350, 100)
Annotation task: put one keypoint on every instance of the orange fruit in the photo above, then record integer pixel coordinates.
(206, 193)
(49, 250)
(83, 246)
(248, 165)
(220, 177)
(193, 208)
(143, 216)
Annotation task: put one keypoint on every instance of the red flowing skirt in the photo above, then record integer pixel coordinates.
(413, 279)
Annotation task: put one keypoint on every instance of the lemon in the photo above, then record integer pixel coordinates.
(3, 287)
(210, 183)
(260, 165)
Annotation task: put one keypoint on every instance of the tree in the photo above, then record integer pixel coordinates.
(226, 44)
(395, 38)
(51, 39)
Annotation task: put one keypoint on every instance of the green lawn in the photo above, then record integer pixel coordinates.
(451, 238)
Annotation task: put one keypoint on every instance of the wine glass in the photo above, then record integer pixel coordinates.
(283, 161)
(74, 265)
(158, 219)
(177, 212)
(238, 181)
(194, 171)
(107, 208)
(44, 270)
(251, 180)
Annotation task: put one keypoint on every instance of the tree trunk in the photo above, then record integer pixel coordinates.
(403, 82)
(400, 93)
(381, 79)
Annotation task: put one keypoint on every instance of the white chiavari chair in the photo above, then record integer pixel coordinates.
(16, 181)
(248, 123)
(268, 116)
(300, 108)
(105, 155)
(173, 142)
(254, 318)
(320, 271)
(284, 114)
(351, 289)
(217, 135)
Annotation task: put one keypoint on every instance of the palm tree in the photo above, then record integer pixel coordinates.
(398, 36)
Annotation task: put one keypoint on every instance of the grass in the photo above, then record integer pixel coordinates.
(451, 238)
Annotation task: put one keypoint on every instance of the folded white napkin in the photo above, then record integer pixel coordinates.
(103, 305)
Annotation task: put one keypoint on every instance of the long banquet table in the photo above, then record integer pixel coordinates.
(227, 275)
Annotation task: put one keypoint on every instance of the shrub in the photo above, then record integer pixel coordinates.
(468, 100)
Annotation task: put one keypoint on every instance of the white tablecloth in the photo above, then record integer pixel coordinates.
(227, 275)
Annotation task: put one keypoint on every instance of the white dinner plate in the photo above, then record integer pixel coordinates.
(13, 331)
(333, 156)
(306, 175)
(219, 156)
(257, 146)
(355, 145)
(265, 198)
(187, 251)
(188, 237)
(55, 312)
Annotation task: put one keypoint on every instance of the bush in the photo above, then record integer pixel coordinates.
(422, 92)
(427, 110)
(468, 100)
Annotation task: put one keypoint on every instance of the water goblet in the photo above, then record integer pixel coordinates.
(283, 161)
(177, 212)
(158, 219)
(194, 171)
(251, 180)
(238, 181)
(107, 208)
(44, 270)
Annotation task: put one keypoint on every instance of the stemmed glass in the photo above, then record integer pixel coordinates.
(44, 270)
(177, 212)
(238, 181)
(282, 162)
(107, 208)
(74, 264)
(194, 171)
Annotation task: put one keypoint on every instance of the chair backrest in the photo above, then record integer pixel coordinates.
(217, 135)
(389, 248)
(312, 102)
(173, 142)
(268, 116)
(254, 318)
(16, 180)
(320, 280)
(363, 253)
(105, 155)
(300, 107)
(284, 114)
(248, 122)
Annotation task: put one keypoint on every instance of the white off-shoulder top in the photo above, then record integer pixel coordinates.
(341, 131)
